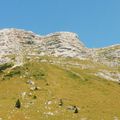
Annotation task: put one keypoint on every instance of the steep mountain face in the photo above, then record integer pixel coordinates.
(20, 42)
(15, 44)
(63, 44)
(55, 77)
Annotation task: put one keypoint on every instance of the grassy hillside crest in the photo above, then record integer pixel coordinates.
(95, 98)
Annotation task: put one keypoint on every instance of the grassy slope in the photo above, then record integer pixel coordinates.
(96, 98)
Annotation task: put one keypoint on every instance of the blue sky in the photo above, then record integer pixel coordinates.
(97, 22)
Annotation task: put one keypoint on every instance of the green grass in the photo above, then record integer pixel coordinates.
(97, 98)
(5, 66)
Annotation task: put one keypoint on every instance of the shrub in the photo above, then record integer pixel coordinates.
(5, 66)
(34, 97)
(38, 75)
(18, 104)
(13, 72)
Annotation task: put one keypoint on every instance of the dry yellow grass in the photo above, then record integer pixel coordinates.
(97, 99)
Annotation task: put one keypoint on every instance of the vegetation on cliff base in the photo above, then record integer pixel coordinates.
(95, 98)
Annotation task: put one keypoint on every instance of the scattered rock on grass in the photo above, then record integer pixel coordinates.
(33, 88)
(23, 94)
(73, 108)
(48, 102)
(30, 82)
(48, 113)
(30, 94)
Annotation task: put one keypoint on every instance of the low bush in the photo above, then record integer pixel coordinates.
(5, 66)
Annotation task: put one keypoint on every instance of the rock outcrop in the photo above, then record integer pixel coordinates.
(108, 55)
(15, 44)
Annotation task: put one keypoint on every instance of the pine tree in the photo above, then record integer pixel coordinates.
(18, 104)
(60, 102)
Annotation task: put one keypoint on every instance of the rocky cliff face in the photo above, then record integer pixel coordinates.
(109, 55)
(15, 44)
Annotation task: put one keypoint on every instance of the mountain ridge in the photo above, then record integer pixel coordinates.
(54, 76)
(58, 44)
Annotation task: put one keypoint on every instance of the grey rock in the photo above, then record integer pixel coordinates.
(16, 45)
(30, 82)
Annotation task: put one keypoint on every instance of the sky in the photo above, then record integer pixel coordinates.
(97, 22)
